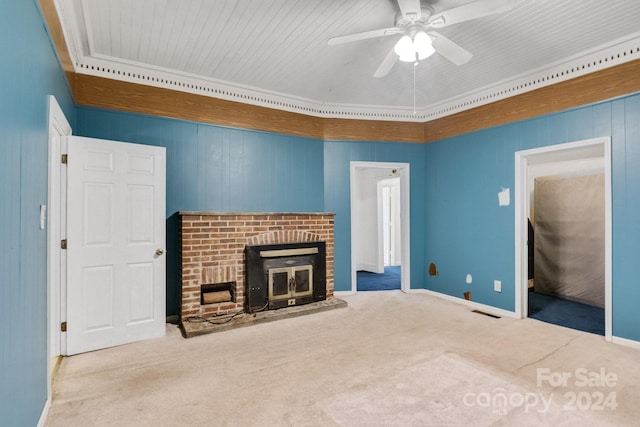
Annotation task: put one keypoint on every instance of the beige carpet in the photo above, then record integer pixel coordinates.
(388, 359)
(450, 391)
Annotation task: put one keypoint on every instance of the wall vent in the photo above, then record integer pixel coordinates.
(485, 314)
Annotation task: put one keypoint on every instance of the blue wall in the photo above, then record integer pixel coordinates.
(468, 233)
(454, 183)
(225, 169)
(456, 221)
(214, 168)
(337, 158)
(29, 73)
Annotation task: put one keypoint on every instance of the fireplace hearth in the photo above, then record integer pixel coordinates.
(283, 275)
(297, 252)
(294, 255)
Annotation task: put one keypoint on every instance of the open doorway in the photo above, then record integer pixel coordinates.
(379, 226)
(382, 249)
(563, 235)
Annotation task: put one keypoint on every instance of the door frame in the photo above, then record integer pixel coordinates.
(402, 171)
(589, 148)
(58, 128)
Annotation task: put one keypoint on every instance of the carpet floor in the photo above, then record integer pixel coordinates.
(566, 313)
(387, 281)
(388, 359)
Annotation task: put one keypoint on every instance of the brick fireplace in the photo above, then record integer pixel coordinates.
(212, 254)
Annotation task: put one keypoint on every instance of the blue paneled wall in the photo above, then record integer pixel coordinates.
(467, 232)
(455, 218)
(29, 73)
(214, 168)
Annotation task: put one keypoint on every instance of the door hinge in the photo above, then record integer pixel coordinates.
(64, 159)
(63, 327)
(63, 244)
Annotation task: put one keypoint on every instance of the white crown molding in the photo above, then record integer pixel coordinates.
(70, 30)
(596, 59)
(129, 71)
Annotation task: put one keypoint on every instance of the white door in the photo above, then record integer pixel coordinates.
(115, 243)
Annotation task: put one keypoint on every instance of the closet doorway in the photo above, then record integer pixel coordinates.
(563, 232)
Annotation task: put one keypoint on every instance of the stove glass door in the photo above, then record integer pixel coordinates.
(290, 282)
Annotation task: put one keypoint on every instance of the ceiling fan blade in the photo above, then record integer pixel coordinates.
(450, 50)
(410, 9)
(363, 36)
(470, 11)
(387, 64)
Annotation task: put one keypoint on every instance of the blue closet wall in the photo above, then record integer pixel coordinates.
(337, 158)
(467, 232)
(29, 73)
(215, 168)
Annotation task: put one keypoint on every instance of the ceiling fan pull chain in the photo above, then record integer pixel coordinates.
(415, 65)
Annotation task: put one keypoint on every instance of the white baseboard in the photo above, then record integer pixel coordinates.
(475, 305)
(343, 293)
(491, 310)
(626, 342)
(45, 413)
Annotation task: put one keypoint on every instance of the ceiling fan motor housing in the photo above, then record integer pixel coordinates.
(426, 12)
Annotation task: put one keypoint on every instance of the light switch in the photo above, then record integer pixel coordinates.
(43, 216)
(504, 197)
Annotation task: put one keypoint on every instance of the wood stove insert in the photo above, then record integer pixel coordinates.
(283, 275)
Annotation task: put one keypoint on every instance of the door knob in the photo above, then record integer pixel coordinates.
(159, 252)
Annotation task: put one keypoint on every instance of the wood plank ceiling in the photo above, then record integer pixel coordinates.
(274, 53)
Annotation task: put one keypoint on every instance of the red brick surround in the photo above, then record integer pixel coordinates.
(212, 250)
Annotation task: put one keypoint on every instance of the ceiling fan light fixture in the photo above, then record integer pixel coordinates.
(425, 53)
(416, 48)
(408, 57)
(412, 24)
(422, 45)
(404, 47)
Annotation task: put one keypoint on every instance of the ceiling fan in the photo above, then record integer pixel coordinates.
(415, 22)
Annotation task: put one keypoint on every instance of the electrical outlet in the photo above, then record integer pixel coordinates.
(497, 285)
(469, 279)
